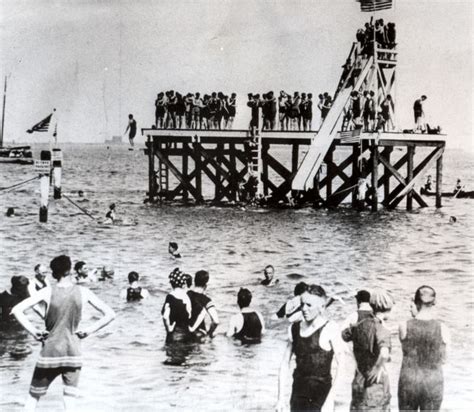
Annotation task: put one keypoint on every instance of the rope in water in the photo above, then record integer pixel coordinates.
(80, 208)
(18, 184)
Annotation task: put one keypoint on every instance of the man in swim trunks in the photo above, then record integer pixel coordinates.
(316, 344)
(132, 126)
(61, 352)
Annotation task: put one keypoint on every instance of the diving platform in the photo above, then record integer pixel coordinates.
(394, 163)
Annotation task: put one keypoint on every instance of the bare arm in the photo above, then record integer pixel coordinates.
(107, 312)
(283, 376)
(44, 295)
(166, 319)
(338, 348)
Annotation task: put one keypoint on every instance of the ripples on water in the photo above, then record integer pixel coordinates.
(343, 250)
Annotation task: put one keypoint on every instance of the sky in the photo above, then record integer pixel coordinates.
(97, 61)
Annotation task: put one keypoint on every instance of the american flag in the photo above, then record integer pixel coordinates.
(375, 5)
(42, 126)
(350, 136)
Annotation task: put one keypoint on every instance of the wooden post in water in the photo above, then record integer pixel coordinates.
(375, 176)
(44, 169)
(329, 175)
(386, 187)
(57, 159)
(411, 154)
(355, 171)
(234, 184)
(151, 169)
(439, 180)
(185, 169)
(265, 149)
(197, 161)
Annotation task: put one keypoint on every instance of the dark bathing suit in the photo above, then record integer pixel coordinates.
(180, 316)
(421, 377)
(251, 331)
(134, 294)
(312, 379)
(133, 128)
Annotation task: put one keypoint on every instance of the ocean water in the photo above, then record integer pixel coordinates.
(124, 364)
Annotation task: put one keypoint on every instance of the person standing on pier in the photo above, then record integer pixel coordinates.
(424, 340)
(132, 128)
(316, 343)
(419, 114)
(61, 351)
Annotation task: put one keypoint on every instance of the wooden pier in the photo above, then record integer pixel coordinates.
(286, 167)
(179, 161)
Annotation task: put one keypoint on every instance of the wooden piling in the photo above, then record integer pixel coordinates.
(386, 185)
(185, 169)
(375, 175)
(439, 181)
(355, 171)
(151, 169)
(411, 155)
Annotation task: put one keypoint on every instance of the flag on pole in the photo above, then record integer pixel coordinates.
(375, 5)
(42, 126)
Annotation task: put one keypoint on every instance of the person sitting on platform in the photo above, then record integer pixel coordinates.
(248, 325)
(269, 273)
(134, 293)
(173, 250)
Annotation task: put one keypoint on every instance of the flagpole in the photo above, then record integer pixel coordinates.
(3, 111)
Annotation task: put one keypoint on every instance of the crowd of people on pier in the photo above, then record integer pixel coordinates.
(191, 317)
(174, 110)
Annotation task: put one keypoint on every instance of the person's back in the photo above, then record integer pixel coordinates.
(199, 302)
(424, 350)
(251, 331)
(134, 294)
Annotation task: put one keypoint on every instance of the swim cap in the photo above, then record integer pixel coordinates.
(177, 278)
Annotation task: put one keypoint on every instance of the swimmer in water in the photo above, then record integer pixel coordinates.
(452, 219)
(269, 273)
(173, 250)
(247, 325)
(111, 213)
(8, 300)
(458, 186)
(83, 274)
(38, 282)
(364, 310)
(428, 184)
(10, 212)
(60, 353)
(134, 293)
(105, 273)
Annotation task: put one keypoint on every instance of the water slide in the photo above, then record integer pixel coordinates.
(310, 165)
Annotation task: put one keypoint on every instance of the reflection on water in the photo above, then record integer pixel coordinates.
(128, 367)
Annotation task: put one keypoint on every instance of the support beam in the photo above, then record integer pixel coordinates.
(151, 170)
(386, 187)
(355, 170)
(197, 161)
(375, 176)
(185, 168)
(411, 155)
(439, 180)
(392, 170)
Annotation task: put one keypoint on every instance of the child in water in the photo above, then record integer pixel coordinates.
(60, 353)
(173, 250)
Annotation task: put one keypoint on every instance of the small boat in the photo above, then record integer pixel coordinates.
(459, 195)
(19, 154)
